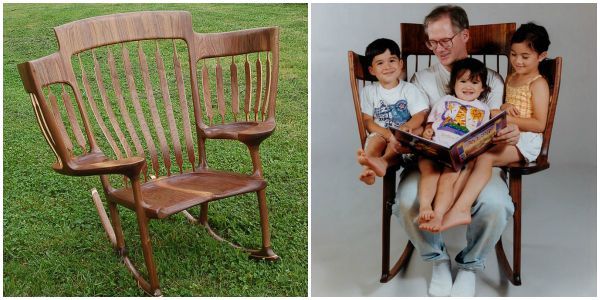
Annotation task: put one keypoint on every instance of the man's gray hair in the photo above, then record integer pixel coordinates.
(457, 15)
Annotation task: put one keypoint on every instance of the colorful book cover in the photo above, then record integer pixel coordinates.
(463, 150)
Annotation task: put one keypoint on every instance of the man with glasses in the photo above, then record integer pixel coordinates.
(447, 29)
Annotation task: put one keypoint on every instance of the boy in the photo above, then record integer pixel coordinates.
(387, 105)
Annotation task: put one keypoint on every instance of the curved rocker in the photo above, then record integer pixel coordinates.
(266, 253)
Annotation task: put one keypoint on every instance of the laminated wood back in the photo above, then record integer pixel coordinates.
(127, 85)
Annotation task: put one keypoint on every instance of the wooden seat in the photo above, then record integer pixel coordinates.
(135, 98)
(166, 196)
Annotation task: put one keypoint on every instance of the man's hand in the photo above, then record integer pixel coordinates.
(510, 109)
(508, 135)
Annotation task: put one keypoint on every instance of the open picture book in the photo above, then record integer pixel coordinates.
(463, 150)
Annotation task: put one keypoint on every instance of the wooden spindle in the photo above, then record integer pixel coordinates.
(258, 86)
(92, 102)
(220, 93)
(184, 108)
(267, 87)
(235, 94)
(122, 107)
(108, 108)
(206, 93)
(138, 109)
(153, 109)
(164, 88)
(248, 93)
(58, 119)
(73, 119)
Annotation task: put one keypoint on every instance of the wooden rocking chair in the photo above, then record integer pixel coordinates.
(107, 56)
(486, 40)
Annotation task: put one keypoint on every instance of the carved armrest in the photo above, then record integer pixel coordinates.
(96, 163)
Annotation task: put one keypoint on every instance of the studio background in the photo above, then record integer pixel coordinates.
(559, 204)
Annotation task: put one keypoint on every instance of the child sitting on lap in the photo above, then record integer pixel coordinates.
(452, 117)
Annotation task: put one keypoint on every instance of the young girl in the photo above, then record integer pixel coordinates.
(452, 117)
(527, 98)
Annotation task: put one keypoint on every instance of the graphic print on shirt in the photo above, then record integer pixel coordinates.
(460, 119)
(392, 115)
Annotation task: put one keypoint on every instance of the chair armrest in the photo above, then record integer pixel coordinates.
(245, 132)
(99, 164)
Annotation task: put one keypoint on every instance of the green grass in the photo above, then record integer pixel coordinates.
(54, 244)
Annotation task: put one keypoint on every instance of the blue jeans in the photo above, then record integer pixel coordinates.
(489, 216)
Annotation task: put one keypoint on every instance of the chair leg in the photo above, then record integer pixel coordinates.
(513, 274)
(122, 251)
(266, 252)
(389, 193)
(145, 238)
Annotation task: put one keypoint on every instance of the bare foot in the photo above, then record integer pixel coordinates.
(367, 176)
(455, 217)
(433, 225)
(425, 214)
(377, 164)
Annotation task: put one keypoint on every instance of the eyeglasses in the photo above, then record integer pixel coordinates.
(445, 43)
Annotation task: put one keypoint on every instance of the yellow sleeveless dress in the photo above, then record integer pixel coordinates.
(530, 143)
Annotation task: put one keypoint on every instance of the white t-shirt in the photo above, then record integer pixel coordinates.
(452, 118)
(392, 108)
(434, 80)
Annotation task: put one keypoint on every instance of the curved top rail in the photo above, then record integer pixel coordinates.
(99, 31)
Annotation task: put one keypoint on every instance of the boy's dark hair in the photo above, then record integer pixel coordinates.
(457, 15)
(535, 35)
(477, 70)
(379, 46)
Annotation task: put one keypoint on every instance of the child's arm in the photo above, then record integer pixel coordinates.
(415, 121)
(540, 95)
(373, 127)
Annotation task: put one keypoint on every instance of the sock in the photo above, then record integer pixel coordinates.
(464, 285)
(441, 279)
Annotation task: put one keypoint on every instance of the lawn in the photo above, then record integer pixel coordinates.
(53, 242)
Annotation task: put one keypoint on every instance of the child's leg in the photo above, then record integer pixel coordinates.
(373, 157)
(443, 199)
(427, 186)
(374, 147)
(500, 155)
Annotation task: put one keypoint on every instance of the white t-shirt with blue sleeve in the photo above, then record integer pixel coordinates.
(394, 107)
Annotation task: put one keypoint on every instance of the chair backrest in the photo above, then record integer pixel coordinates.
(118, 62)
(485, 41)
(551, 69)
